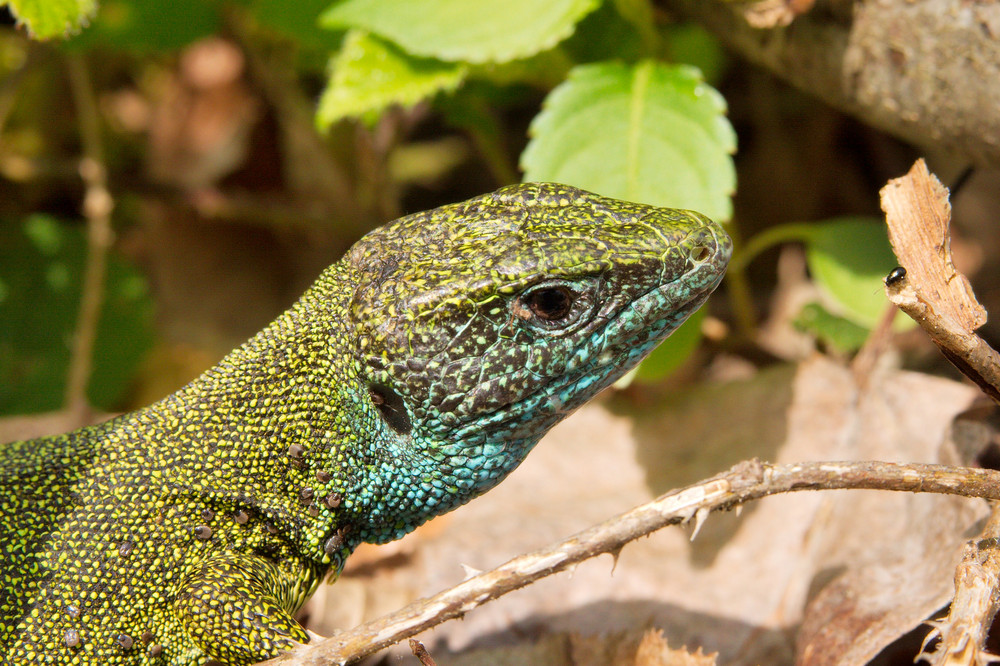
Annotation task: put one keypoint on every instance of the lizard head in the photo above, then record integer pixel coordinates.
(480, 325)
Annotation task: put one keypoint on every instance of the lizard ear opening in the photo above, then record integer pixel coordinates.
(390, 405)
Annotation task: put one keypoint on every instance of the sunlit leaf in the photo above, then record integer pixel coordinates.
(459, 30)
(52, 18)
(368, 74)
(651, 133)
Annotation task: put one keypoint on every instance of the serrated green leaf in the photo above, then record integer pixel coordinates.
(459, 30)
(52, 18)
(39, 307)
(848, 258)
(650, 132)
(368, 74)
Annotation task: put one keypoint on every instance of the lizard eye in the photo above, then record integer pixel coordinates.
(554, 306)
(390, 405)
(549, 303)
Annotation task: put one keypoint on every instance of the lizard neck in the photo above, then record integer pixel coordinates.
(412, 483)
(273, 428)
(284, 427)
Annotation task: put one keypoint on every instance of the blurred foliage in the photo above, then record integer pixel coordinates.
(462, 31)
(41, 264)
(147, 26)
(52, 18)
(849, 258)
(839, 333)
(402, 98)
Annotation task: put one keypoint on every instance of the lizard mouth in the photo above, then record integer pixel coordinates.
(627, 341)
(616, 345)
(631, 333)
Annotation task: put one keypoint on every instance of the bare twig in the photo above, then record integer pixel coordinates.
(932, 291)
(939, 298)
(976, 602)
(97, 206)
(745, 482)
(420, 652)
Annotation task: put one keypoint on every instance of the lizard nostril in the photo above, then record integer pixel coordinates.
(701, 253)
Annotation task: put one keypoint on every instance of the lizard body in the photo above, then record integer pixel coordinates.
(414, 375)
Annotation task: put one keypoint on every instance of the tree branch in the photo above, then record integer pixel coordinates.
(745, 482)
(939, 298)
(930, 290)
(926, 71)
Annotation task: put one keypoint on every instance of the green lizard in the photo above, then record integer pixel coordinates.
(414, 375)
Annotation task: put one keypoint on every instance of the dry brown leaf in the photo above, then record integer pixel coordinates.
(637, 648)
(551, 650)
(940, 299)
(741, 588)
(654, 651)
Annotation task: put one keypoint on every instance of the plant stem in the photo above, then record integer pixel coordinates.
(97, 207)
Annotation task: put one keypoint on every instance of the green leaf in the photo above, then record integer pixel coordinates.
(459, 30)
(673, 351)
(849, 257)
(41, 268)
(369, 74)
(143, 26)
(52, 18)
(837, 332)
(649, 132)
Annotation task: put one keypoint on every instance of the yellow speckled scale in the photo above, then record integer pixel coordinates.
(415, 374)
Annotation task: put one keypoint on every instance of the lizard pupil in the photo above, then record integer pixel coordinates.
(550, 303)
(390, 405)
